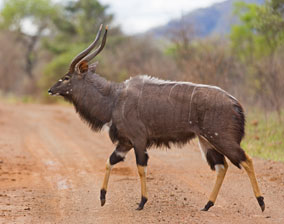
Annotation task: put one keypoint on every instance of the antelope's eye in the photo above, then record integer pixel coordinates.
(66, 78)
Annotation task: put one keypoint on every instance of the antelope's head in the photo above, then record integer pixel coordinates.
(79, 68)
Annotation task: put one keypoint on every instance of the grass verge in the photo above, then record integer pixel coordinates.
(264, 135)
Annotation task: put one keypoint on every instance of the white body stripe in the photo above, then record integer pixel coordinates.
(203, 150)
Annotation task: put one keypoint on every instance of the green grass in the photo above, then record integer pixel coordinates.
(264, 135)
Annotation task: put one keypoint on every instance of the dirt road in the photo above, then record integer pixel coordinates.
(52, 166)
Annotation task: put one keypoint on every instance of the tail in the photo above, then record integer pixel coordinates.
(240, 120)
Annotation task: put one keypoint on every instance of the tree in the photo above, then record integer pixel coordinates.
(203, 61)
(74, 28)
(14, 17)
(258, 41)
(260, 33)
(278, 5)
(11, 63)
(56, 30)
(77, 23)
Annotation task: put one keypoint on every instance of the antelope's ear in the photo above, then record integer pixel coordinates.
(83, 67)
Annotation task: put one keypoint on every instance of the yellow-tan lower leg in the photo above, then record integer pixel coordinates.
(142, 174)
(105, 183)
(221, 172)
(219, 180)
(144, 196)
(107, 174)
(248, 166)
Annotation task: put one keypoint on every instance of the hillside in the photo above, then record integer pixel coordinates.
(216, 19)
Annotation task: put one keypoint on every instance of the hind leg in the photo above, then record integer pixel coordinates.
(221, 172)
(217, 162)
(248, 166)
(239, 158)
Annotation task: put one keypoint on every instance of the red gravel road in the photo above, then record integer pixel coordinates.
(52, 166)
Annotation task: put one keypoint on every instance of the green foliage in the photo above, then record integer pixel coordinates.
(14, 17)
(264, 136)
(77, 22)
(278, 6)
(258, 42)
(74, 29)
(38, 11)
(62, 29)
(261, 31)
(58, 66)
(88, 14)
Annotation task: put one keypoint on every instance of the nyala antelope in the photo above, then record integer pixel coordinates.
(144, 111)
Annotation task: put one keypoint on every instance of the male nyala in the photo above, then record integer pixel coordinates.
(144, 111)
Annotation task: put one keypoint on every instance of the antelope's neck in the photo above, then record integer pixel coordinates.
(95, 101)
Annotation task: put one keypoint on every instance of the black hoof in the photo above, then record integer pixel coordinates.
(103, 197)
(207, 206)
(142, 203)
(260, 200)
(139, 208)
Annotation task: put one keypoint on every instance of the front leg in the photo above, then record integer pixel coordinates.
(117, 156)
(141, 161)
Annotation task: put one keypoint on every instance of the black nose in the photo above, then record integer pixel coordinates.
(49, 92)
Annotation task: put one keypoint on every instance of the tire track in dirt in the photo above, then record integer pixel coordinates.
(52, 166)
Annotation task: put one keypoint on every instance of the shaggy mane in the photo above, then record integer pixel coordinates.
(94, 123)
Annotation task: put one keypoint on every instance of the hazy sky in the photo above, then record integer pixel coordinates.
(136, 16)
